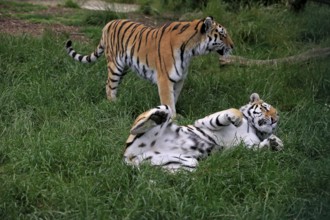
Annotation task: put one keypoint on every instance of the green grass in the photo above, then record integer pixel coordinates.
(61, 141)
(18, 7)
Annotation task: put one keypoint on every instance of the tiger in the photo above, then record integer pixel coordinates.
(155, 139)
(160, 55)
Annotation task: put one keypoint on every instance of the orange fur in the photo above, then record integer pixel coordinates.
(161, 55)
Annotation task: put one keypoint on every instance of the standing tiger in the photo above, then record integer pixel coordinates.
(156, 139)
(161, 55)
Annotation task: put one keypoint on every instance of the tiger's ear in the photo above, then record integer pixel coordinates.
(207, 25)
(254, 97)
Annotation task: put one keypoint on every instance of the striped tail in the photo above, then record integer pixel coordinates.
(84, 58)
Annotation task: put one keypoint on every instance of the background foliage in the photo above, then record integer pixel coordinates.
(61, 141)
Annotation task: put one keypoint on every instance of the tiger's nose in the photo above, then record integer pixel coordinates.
(232, 46)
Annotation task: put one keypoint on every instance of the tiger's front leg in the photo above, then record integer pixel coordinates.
(272, 142)
(220, 119)
(177, 90)
(166, 92)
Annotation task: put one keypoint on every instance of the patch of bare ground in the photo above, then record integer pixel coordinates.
(18, 27)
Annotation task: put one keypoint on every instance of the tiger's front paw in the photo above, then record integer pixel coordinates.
(275, 143)
(235, 117)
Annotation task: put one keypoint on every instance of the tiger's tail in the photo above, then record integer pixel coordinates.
(84, 58)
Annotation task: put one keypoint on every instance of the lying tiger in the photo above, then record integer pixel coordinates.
(160, 55)
(156, 139)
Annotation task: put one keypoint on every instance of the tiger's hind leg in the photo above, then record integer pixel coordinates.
(220, 119)
(149, 119)
(115, 73)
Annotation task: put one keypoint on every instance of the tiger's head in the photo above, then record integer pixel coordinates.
(262, 116)
(218, 38)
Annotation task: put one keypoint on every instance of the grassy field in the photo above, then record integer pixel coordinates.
(61, 141)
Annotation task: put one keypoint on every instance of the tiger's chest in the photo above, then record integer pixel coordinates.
(230, 136)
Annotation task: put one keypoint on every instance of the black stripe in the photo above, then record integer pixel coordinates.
(132, 52)
(174, 61)
(248, 111)
(131, 34)
(113, 33)
(133, 48)
(142, 145)
(121, 26)
(217, 121)
(68, 44)
(211, 123)
(206, 135)
(147, 36)
(172, 80)
(110, 25)
(148, 158)
(114, 80)
(188, 166)
(176, 27)
(96, 54)
(184, 28)
(109, 34)
(120, 43)
(160, 40)
(116, 74)
(140, 37)
(180, 158)
(116, 34)
(129, 144)
(170, 162)
(147, 61)
(196, 27)
(135, 138)
(114, 88)
(183, 47)
(122, 39)
(113, 72)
